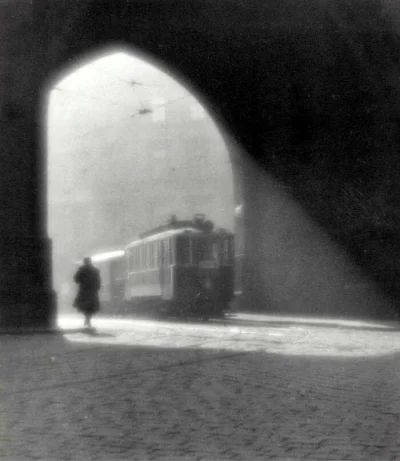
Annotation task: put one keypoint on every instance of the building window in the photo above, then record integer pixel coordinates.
(197, 112)
(158, 110)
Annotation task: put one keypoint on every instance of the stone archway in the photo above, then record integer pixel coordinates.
(309, 90)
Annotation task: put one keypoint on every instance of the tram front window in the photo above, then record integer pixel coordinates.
(205, 249)
(183, 250)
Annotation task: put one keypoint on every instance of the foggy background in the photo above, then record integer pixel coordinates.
(127, 147)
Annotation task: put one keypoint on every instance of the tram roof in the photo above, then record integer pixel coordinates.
(165, 234)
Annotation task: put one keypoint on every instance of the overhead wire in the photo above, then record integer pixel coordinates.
(106, 127)
(86, 96)
(132, 82)
(142, 111)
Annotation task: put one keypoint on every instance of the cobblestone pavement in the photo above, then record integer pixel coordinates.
(249, 388)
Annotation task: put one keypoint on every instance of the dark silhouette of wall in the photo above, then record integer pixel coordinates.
(308, 89)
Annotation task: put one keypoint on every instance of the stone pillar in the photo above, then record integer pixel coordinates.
(26, 296)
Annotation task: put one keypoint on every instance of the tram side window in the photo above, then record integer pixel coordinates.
(167, 252)
(156, 254)
(205, 250)
(183, 249)
(170, 247)
(225, 251)
(152, 247)
(150, 263)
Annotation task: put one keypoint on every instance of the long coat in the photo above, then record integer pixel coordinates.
(87, 298)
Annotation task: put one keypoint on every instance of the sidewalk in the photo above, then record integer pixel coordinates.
(253, 388)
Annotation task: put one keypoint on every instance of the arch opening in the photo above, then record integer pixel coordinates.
(128, 146)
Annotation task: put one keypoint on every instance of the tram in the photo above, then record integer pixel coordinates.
(186, 268)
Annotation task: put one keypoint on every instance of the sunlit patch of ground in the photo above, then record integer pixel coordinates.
(245, 332)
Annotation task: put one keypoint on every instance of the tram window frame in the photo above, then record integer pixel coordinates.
(212, 249)
(182, 248)
(168, 252)
(171, 251)
(225, 251)
(149, 265)
(156, 254)
(150, 255)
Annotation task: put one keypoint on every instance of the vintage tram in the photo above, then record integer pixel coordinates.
(185, 268)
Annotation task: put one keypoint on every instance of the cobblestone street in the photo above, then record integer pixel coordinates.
(249, 388)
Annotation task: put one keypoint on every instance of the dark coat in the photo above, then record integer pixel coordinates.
(87, 299)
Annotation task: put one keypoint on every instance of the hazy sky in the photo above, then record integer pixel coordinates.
(103, 95)
(94, 113)
(95, 108)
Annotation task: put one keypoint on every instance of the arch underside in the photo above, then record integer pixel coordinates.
(308, 91)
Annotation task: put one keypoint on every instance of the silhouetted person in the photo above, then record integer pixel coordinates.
(87, 299)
